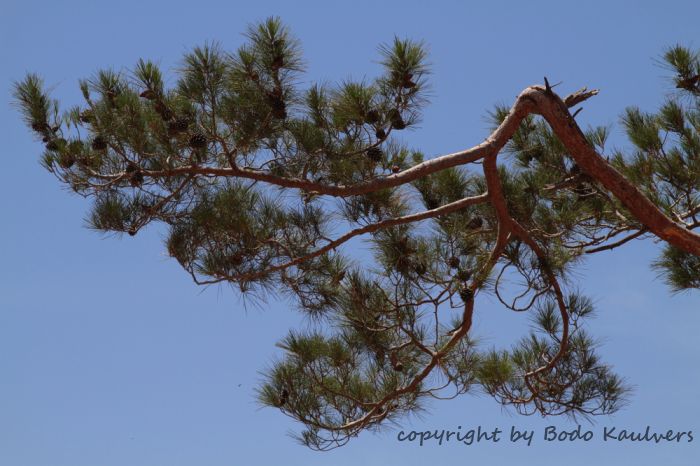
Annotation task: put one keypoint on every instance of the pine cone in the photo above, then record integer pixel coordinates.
(375, 154)
(380, 134)
(179, 125)
(278, 62)
(398, 124)
(408, 82)
(420, 268)
(137, 179)
(166, 114)
(279, 108)
(466, 294)
(431, 201)
(284, 396)
(162, 109)
(396, 120)
(66, 160)
(40, 126)
(462, 274)
(372, 117)
(111, 96)
(475, 223)
(688, 83)
(197, 141)
(75, 146)
(149, 94)
(60, 143)
(86, 116)
(99, 143)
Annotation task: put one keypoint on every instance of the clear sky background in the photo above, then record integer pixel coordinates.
(111, 356)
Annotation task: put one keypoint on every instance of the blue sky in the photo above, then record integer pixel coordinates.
(111, 356)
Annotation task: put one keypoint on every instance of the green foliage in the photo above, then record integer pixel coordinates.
(680, 269)
(246, 168)
(34, 103)
(666, 163)
(577, 385)
(686, 64)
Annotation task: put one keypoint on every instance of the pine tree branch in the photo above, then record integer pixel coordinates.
(506, 221)
(178, 156)
(618, 243)
(371, 228)
(555, 111)
(533, 100)
(460, 332)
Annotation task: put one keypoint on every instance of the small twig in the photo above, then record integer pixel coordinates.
(579, 96)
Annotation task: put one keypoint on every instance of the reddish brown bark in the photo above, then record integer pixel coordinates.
(555, 111)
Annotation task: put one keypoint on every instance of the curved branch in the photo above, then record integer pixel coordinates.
(459, 333)
(437, 212)
(618, 243)
(491, 146)
(555, 111)
(499, 203)
(533, 100)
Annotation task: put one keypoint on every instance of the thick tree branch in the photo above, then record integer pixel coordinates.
(555, 111)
